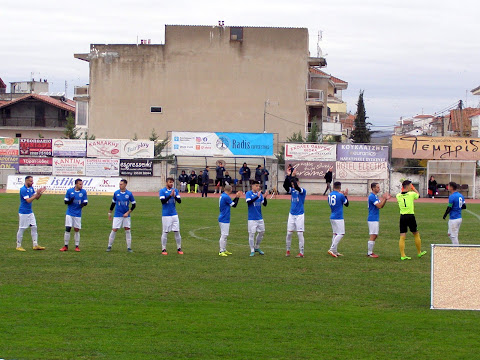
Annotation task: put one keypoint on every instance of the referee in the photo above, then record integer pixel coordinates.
(406, 201)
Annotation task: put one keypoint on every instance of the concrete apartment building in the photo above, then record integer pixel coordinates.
(204, 78)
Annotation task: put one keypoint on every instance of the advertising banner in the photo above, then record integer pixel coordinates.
(69, 147)
(311, 152)
(313, 169)
(9, 162)
(361, 170)
(103, 148)
(362, 152)
(136, 167)
(222, 144)
(36, 147)
(69, 166)
(8, 146)
(438, 148)
(137, 149)
(102, 167)
(60, 184)
(31, 165)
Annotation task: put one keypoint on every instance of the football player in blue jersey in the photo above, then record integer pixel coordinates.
(255, 200)
(374, 206)
(296, 217)
(121, 201)
(169, 196)
(456, 203)
(76, 199)
(26, 217)
(337, 199)
(225, 202)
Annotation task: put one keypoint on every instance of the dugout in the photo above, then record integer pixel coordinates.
(463, 172)
(231, 164)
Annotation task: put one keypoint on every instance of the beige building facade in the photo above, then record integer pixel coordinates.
(204, 78)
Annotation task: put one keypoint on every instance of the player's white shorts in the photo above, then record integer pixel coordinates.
(170, 223)
(296, 222)
(121, 222)
(454, 227)
(338, 226)
(26, 220)
(373, 227)
(256, 226)
(73, 221)
(224, 228)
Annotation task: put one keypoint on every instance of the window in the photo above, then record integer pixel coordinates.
(81, 115)
(18, 135)
(8, 114)
(236, 34)
(156, 109)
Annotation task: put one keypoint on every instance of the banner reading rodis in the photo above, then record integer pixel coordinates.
(438, 148)
(222, 144)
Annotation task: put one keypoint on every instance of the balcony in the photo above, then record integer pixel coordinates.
(314, 97)
(32, 122)
(81, 93)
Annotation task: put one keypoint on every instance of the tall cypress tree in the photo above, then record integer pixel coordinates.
(362, 132)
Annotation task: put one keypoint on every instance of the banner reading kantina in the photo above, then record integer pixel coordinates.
(439, 148)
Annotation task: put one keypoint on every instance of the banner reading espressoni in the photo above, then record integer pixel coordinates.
(222, 144)
(60, 184)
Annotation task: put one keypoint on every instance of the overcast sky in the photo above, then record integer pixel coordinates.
(409, 57)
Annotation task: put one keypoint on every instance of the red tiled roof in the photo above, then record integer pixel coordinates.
(2, 84)
(423, 116)
(333, 78)
(68, 106)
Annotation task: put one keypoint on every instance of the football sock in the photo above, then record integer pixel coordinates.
(289, 240)
(20, 237)
(418, 242)
(128, 238)
(196, 188)
(188, 187)
(371, 243)
(301, 241)
(178, 239)
(111, 238)
(259, 238)
(66, 237)
(164, 240)
(251, 241)
(454, 239)
(401, 245)
(77, 238)
(336, 241)
(223, 243)
(33, 231)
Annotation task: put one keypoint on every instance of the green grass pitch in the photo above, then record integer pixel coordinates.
(142, 305)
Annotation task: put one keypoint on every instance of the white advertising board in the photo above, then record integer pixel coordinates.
(102, 167)
(104, 148)
(138, 149)
(60, 184)
(310, 152)
(361, 170)
(69, 166)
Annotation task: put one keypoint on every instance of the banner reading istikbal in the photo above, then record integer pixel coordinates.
(222, 144)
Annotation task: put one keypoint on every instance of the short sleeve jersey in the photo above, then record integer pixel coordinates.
(122, 202)
(406, 202)
(220, 170)
(297, 199)
(168, 209)
(254, 208)
(25, 193)
(79, 197)
(336, 200)
(456, 201)
(225, 202)
(373, 211)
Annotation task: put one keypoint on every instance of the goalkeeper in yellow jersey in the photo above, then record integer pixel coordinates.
(406, 201)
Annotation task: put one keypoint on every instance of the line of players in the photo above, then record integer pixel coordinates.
(76, 198)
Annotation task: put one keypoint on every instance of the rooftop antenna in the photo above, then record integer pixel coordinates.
(319, 51)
